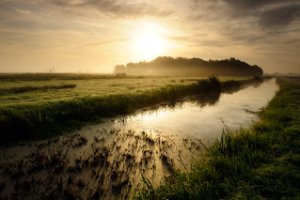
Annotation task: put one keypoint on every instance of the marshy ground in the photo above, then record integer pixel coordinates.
(96, 163)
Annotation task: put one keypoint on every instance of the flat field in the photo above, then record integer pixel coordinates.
(43, 88)
(35, 106)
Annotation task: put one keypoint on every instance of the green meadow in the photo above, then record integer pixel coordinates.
(82, 87)
(35, 107)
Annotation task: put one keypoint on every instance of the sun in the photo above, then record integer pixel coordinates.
(149, 42)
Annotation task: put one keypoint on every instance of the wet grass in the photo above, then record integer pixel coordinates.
(37, 121)
(262, 162)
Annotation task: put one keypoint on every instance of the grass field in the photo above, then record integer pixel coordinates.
(35, 109)
(84, 86)
(262, 162)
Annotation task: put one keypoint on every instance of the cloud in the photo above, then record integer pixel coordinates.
(280, 17)
(72, 14)
(270, 13)
(252, 4)
(267, 13)
(115, 8)
(250, 29)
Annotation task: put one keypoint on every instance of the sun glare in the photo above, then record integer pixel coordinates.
(149, 42)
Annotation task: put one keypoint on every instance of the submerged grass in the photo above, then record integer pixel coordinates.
(37, 121)
(262, 162)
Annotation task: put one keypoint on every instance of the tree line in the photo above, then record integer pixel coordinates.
(170, 66)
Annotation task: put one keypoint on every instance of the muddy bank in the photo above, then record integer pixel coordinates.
(104, 164)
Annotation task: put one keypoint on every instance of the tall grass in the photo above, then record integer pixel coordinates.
(43, 120)
(262, 162)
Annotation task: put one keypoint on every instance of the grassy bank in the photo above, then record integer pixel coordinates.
(38, 121)
(262, 162)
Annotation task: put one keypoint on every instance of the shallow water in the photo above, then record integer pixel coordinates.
(107, 160)
(206, 119)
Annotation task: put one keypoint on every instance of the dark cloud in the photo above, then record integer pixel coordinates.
(253, 4)
(280, 17)
(269, 14)
(292, 41)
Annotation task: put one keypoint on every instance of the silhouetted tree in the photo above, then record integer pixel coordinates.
(190, 67)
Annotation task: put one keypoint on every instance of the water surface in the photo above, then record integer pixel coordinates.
(206, 119)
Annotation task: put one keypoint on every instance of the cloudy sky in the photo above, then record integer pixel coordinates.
(95, 35)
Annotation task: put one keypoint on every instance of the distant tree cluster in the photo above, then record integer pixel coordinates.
(169, 66)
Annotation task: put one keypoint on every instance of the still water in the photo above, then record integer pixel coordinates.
(206, 119)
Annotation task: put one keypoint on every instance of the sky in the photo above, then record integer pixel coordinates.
(95, 35)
